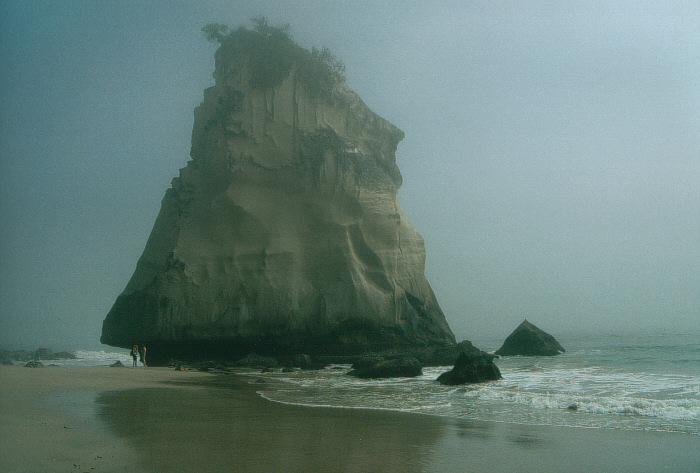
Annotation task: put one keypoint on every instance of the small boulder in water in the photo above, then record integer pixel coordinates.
(528, 340)
(34, 364)
(444, 356)
(254, 360)
(117, 364)
(471, 368)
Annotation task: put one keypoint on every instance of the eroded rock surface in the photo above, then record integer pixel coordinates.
(284, 233)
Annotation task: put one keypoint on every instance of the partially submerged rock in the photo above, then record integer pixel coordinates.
(472, 368)
(528, 340)
(254, 360)
(396, 368)
(117, 364)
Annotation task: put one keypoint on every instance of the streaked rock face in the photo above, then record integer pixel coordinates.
(283, 234)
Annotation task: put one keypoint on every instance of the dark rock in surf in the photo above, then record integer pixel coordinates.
(445, 356)
(367, 361)
(472, 368)
(528, 340)
(397, 368)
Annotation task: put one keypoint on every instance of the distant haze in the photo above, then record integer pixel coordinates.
(551, 159)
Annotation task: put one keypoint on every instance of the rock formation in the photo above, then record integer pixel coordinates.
(283, 234)
(396, 368)
(528, 340)
(471, 368)
(445, 356)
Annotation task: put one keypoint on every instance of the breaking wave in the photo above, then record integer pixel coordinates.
(594, 388)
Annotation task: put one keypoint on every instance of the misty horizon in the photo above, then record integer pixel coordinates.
(551, 158)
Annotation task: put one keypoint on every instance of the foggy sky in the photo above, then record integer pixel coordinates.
(551, 159)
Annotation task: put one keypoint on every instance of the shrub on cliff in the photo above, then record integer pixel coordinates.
(274, 53)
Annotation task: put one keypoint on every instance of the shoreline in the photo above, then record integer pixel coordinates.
(455, 419)
(158, 419)
(48, 420)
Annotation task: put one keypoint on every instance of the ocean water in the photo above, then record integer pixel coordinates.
(85, 358)
(647, 383)
(617, 382)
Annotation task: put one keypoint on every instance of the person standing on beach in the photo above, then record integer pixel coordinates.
(142, 352)
(134, 353)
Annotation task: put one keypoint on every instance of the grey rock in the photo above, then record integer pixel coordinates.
(283, 234)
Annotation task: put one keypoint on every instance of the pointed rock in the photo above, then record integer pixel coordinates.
(528, 340)
(284, 234)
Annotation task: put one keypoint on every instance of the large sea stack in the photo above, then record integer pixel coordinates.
(283, 234)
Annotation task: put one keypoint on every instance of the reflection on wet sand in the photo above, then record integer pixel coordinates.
(232, 429)
(222, 425)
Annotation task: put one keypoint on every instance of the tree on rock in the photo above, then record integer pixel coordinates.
(215, 32)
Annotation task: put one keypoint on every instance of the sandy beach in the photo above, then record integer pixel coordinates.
(157, 419)
(50, 422)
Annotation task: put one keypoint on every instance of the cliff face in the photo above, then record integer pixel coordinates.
(284, 233)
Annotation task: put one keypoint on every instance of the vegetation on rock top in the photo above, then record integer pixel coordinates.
(273, 53)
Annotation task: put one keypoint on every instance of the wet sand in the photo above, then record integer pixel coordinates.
(157, 419)
(49, 421)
